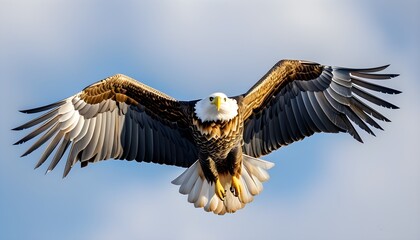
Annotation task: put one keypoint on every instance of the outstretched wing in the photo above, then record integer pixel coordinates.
(295, 99)
(118, 118)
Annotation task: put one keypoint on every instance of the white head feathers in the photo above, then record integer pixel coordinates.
(216, 107)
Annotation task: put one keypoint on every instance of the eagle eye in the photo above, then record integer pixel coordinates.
(225, 99)
(211, 99)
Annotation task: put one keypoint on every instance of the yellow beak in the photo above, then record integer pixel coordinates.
(217, 101)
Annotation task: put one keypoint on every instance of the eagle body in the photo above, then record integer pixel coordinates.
(218, 139)
(219, 142)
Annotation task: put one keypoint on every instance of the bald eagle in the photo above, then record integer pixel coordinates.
(219, 139)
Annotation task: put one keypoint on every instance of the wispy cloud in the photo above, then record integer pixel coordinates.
(351, 191)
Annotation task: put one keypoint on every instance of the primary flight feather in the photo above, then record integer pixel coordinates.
(219, 139)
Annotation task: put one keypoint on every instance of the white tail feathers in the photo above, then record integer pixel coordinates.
(202, 193)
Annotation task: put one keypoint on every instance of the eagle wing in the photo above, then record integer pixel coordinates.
(295, 99)
(118, 118)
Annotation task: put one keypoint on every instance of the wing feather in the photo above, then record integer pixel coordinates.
(283, 126)
(301, 127)
(369, 110)
(46, 125)
(51, 146)
(304, 114)
(44, 108)
(59, 153)
(328, 126)
(38, 120)
(141, 153)
(296, 99)
(78, 129)
(329, 111)
(375, 87)
(312, 116)
(133, 142)
(101, 140)
(110, 135)
(54, 129)
(89, 151)
(373, 76)
(290, 123)
(365, 118)
(149, 139)
(79, 143)
(372, 98)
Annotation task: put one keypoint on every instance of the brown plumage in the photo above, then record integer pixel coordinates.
(120, 118)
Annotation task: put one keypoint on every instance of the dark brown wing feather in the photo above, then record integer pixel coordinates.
(295, 99)
(118, 118)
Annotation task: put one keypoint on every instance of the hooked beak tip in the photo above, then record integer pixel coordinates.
(217, 102)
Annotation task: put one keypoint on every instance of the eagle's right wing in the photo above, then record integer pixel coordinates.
(296, 99)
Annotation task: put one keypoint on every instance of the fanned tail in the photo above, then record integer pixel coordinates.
(202, 193)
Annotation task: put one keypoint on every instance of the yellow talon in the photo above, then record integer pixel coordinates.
(236, 187)
(220, 191)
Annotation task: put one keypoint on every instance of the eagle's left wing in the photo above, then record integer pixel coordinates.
(118, 118)
(295, 99)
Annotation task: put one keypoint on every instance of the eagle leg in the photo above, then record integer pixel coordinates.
(219, 190)
(235, 187)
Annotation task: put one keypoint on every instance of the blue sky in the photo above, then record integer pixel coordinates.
(325, 187)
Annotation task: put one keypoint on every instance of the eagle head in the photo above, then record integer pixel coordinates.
(216, 107)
